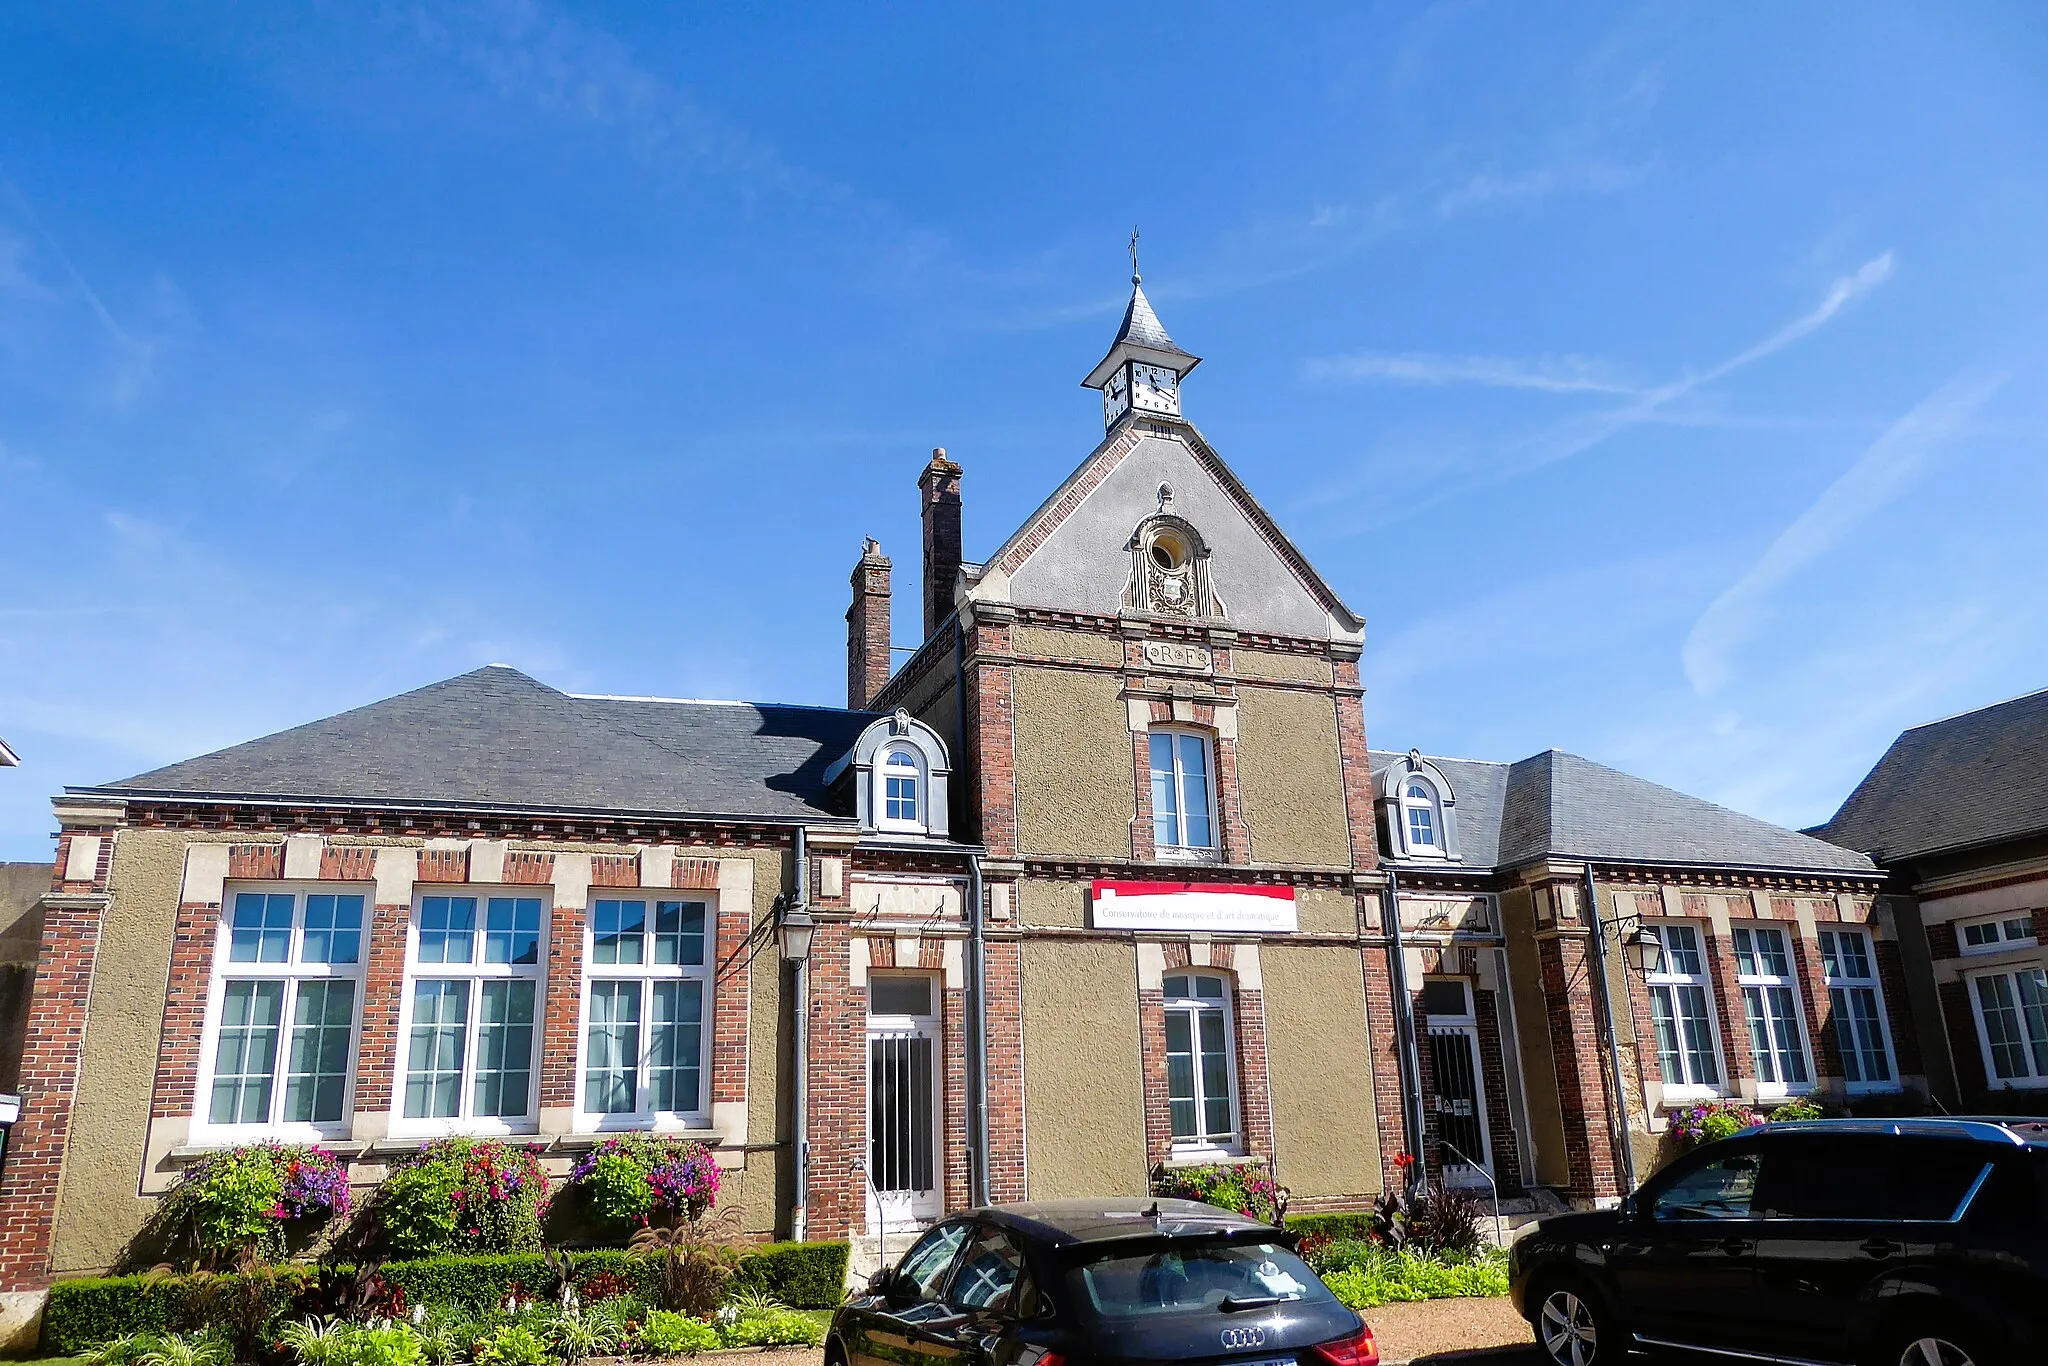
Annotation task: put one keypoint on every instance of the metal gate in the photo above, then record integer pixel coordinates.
(901, 1122)
(1460, 1110)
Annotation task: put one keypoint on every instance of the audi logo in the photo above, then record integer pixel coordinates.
(1237, 1339)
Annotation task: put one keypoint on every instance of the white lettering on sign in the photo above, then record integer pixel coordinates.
(1197, 906)
(1174, 654)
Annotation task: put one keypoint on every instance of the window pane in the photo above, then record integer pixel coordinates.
(1421, 827)
(675, 1048)
(504, 1048)
(1180, 1072)
(2033, 988)
(899, 787)
(617, 932)
(1785, 1033)
(246, 1056)
(1664, 1019)
(679, 933)
(261, 931)
(433, 1069)
(1856, 956)
(512, 930)
(893, 995)
(2000, 1012)
(1194, 796)
(447, 929)
(1705, 1065)
(1847, 1177)
(1977, 936)
(1216, 1121)
(612, 1050)
(1209, 988)
(1176, 987)
(1761, 1056)
(317, 1078)
(1770, 947)
(1444, 998)
(1719, 1190)
(1830, 961)
(1165, 792)
(334, 929)
(1745, 952)
(1682, 948)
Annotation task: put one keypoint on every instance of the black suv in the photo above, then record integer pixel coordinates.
(1905, 1243)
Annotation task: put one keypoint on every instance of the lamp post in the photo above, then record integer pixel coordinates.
(794, 934)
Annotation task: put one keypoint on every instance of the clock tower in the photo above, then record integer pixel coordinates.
(1143, 370)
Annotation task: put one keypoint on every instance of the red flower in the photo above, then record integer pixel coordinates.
(1404, 1161)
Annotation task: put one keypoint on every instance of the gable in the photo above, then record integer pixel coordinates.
(1073, 554)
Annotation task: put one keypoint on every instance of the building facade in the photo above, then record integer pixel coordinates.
(1104, 879)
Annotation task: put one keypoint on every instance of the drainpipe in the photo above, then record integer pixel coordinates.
(977, 1138)
(1404, 1029)
(799, 1219)
(1617, 1122)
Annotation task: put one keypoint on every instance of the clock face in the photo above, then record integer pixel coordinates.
(1154, 387)
(1116, 397)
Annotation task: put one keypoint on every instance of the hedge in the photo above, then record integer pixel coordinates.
(85, 1312)
(1347, 1224)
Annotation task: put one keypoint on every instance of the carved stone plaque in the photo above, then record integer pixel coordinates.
(1174, 654)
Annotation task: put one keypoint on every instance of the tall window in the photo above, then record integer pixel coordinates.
(1857, 1006)
(1678, 1012)
(286, 981)
(900, 784)
(1421, 818)
(645, 1013)
(1770, 1001)
(1201, 1081)
(1181, 793)
(2012, 1015)
(472, 1005)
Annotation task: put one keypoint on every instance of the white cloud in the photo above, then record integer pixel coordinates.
(1884, 471)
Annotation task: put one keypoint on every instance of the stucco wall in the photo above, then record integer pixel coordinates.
(1063, 905)
(1281, 668)
(1289, 778)
(99, 1207)
(1084, 1117)
(1050, 644)
(1324, 910)
(1076, 787)
(1325, 1124)
(1532, 1020)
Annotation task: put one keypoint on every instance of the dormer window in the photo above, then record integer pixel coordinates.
(1419, 804)
(1418, 809)
(901, 783)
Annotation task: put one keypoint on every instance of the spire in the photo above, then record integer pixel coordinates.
(1144, 367)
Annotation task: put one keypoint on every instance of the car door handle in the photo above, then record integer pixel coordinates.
(1736, 1247)
(1879, 1247)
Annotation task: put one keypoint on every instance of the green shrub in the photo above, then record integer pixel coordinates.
(800, 1275)
(245, 1206)
(514, 1344)
(771, 1328)
(82, 1313)
(352, 1344)
(479, 1283)
(639, 1178)
(1792, 1110)
(1364, 1275)
(1347, 1224)
(462, 1195)
(666, 1334)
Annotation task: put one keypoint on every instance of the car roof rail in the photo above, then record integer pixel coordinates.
(1983, 1130)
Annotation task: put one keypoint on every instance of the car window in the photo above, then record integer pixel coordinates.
(1865, 1177)
(1192, 1277)
(926, 1264)
(1721, 1189)
(990, 1272)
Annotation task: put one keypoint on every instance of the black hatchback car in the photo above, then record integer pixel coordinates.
(1905, 1243)
(1070, 1281)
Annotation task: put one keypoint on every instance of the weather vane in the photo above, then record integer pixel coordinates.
(1134, 253)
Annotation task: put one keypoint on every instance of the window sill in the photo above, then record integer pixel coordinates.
(1195, 1155)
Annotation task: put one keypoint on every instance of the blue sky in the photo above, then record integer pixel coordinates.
(1662, 383)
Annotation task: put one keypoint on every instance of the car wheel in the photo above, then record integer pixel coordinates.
(1573, 1330)
(1931, 1345)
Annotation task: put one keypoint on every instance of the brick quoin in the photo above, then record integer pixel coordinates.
(836, 1083)
(377, 1053)
(193, 942)
(49, 1081)
(1581, 1068)
(562, 1009)
(1384, 1050)
(1003, 975)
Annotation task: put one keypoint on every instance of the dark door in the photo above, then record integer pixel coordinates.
(896, 1326)
(1687, 1257)
(1844, 1217)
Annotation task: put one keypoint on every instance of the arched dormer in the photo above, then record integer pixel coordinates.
(899, 771)
(1420, 808)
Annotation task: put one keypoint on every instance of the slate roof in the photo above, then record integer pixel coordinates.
(497, 739)
(1560, 805)
(1972, 779)
(1142, 325)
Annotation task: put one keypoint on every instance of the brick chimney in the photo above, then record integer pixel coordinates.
(867, 627)
(939, 488)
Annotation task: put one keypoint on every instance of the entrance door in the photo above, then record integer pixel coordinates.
(1459, 1100)
(906, 1185)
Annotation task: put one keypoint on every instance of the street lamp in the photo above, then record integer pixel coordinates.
(795, 932)
(1644, 949)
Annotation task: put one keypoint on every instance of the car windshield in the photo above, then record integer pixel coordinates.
(1191, 1277)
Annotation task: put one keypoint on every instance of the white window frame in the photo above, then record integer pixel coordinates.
(1839, 981)
(475, 973)
(1205, 1143)
(1179, 849)
(648, 973)
(2038, 1076)
(1766, 982)
(2003, 939)
(913, 761)
(1687, 1087)
(292, 972)
(1429, 803)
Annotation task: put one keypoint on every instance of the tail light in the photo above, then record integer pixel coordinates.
(1357, 1350)
(1050, 1359)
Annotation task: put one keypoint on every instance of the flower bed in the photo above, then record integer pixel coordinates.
(1365, 1275)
